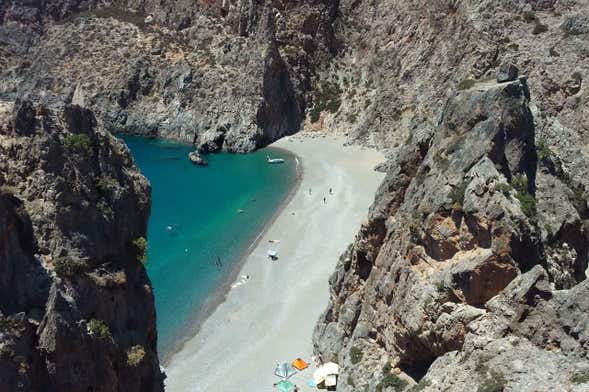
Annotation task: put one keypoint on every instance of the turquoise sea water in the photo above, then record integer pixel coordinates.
(195, 219)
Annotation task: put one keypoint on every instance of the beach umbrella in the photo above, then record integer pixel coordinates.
(299, 364)
(331, 368)
(321, 373)
(284, 386)
(284, 370)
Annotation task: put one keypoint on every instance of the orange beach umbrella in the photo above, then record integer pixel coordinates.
(300, 364)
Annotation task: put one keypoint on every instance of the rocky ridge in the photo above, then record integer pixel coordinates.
(223, 75)
(471, 271)
(76, 310)
(461, 277)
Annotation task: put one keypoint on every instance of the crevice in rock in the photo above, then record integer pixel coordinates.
(417, 369)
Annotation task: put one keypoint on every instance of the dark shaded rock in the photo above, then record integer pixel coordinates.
(507, 72)
(72, 203)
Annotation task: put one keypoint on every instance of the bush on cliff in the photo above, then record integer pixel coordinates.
(135, 355)
(66, 267)
(80, 143)
(141, 247)
(526, 200)
(355, 355)
(391, 381)
(98, 328)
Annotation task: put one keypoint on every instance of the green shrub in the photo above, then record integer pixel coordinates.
(105, 209)
(528, 205)
(351, 382)
(387, 368)
(503, 188)
(314, 114)
(420, 386)
(327, 97)
(391, 380)
(80, 143)
(580, 377)
(66, 267)
(105, 182)
(441, 286)
(520, 183)
(355, 355)
(527, 201)
(578, 200)
(466, 84)
(98, 328)
(135, 355)
(543, 151)
(140, 245)
(457, 195)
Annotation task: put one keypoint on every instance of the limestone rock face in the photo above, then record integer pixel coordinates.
(450, 280)
(471, 269)
(230, 75)
(75, 297)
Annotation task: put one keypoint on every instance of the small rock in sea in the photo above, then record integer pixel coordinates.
(507, 72)
(195, 158)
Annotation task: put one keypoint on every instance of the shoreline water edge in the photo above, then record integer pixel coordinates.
(220, 294)
(269, 316)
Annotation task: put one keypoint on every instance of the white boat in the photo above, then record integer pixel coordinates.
(274, 160)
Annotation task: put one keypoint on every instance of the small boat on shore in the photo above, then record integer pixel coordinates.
(274, 160)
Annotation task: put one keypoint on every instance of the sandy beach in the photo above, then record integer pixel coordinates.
(270, 317)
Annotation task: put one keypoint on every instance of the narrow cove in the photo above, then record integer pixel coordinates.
(199, 214)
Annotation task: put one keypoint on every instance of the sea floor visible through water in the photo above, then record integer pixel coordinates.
(200, 216)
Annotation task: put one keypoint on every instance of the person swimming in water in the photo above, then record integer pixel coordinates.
(218, 263)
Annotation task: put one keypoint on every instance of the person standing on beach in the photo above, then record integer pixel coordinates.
(309, 191)
(330, 192)
(324, 201)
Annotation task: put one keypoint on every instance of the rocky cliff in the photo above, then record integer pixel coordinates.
(219, 74)
(475, 246)
(470, 271)
(76, 306)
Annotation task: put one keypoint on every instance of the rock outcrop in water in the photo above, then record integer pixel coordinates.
(76, 306)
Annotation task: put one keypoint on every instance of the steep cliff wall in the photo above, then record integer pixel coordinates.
(232, 75)
(400, 59)
(76, 310)
(470, 273)
(477, 237)
(474, 239)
